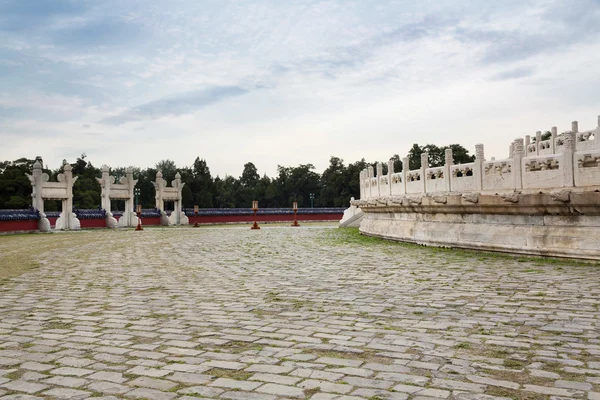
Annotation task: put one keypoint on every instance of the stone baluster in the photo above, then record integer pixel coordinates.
(554, 131)
(538, 139)
(68, 202)
(449, 162)
(424, 166)
(389, 177)
(518, 154)
(379, 175)
(178, 206)
(37, 182)
(511, 150)
(370, 178)
(405, 169)
(361, 181)
(478, 167)
(105, 186)
(159, 185)
(569, 149)
(575, 127)
(527, 143)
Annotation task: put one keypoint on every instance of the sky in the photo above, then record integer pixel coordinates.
(288, 82)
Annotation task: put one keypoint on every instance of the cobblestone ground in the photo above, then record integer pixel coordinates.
(313, 312)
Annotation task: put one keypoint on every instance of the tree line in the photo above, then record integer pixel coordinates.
(332, 188)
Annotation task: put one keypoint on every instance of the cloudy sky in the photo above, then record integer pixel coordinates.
(288, 82)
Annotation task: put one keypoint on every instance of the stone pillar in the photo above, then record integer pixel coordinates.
(511, 150)
(568, 170)
(159, 185)
(538, 139)
(177, 184)
(105, 183)
(37, 179)
(405, 169)
(70, 181)
(370, 178)
(527, 143)
(424, 166)
(379, 175)
(518, 154)
(361, 184)
(449, 162)
(389, 178)
(478, 166)
(554, 131)
(575, 127)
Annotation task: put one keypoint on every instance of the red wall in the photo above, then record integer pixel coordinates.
(93, 223)
(221, 219)
(150, 221)
(14, 226)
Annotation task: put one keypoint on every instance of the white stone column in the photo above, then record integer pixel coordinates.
(478, 166)
(538, 139)
(405, 169)
(71, 219)
(424, 166)
(389, 176)
(361, 184)
(177, 184)
(379, 175)
(554, 131)
(370, 176)
(37, 179)
(568, 170)
(449, 162)
(518, 154)
(159, 185)
(105, 183)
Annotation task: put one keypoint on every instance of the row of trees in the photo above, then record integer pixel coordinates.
(332, 188)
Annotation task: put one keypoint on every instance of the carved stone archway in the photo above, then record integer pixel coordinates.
(61, 190)
(173, 193)
(118, 191)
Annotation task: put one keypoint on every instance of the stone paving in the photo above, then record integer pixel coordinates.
(309, 313)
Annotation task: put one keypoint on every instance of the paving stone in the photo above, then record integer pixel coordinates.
(145, 393)
(247, 396)
(235, 384)
(108, 387)
(225, 365)
(273, 378)
(281, 390)
(202, 391)
(109, 376)
(24, 386)
(153, 383)
(65, 381)
(64, 393)
(353, 321)
(71, 371)
(190, 379)
(325, 386)
(339, 361)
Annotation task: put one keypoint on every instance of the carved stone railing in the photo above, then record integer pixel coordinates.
(543, 199)
(562, 161)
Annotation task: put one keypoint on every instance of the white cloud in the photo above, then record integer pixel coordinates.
(312, 78)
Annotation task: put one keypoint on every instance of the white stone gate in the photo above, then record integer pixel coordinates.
(118, 191)
(61, 190)
(173, 193)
